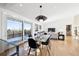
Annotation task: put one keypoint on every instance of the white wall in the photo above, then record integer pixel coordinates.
(76, 23)
(76, 20)
(60, 24)
(0, 24)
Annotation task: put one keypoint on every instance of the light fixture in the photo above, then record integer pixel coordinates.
(41, 17)
(20, 5)
(4, 12)
(41, 20)
(55, 7)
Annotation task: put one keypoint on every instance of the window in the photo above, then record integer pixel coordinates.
(14, 29)
(27, 29)
(18, 30)
(36, 27)
(39, 27)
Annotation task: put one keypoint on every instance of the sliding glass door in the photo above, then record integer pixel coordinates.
(14, 29)
(18, 30)
(27, 29)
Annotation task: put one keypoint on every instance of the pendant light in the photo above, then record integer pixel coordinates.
(41, 17)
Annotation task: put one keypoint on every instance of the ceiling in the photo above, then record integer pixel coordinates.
(52, 11)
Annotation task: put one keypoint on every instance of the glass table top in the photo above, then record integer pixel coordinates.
(5, 45)
(43, 38)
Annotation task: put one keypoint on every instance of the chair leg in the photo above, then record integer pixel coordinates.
(42, 46)
(29, 51)
(40, 51)
(48, 50)
(49, 46)
(35, 52)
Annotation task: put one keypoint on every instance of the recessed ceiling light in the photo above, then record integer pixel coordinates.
(55, 7)
(20, 5)
(4, 12)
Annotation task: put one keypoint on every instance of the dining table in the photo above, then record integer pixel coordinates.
(6, 46)
(42, 38)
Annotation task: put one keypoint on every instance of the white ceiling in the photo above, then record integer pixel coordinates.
(52, 11)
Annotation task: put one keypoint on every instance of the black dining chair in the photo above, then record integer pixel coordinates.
(32, 44)
(46, 44)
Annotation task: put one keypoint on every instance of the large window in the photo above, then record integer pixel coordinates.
(14, 29)
(27, 29)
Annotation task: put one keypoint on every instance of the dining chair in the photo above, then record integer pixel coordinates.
(33, 45)
(46, 44)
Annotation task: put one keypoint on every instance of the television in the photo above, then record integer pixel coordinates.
(51, 29)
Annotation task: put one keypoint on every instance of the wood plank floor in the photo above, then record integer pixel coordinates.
(68, 47)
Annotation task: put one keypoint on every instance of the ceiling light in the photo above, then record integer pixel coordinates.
(41, 17)
(40, 6)
(4, 12)
(55, 7)
(20, 5)
(41, 20)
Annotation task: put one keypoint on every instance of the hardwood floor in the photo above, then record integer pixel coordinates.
(68, 47)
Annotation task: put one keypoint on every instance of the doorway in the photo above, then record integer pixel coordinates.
(68, 30)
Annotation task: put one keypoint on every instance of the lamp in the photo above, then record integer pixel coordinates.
(41, 17)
